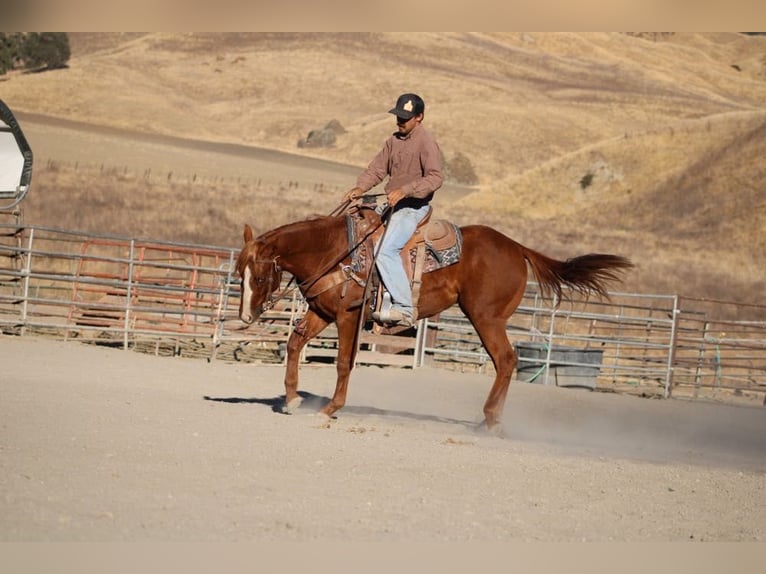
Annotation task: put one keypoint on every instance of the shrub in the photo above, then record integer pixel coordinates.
(460, 170)
(34, 51)
(47, 50)
(9, 51)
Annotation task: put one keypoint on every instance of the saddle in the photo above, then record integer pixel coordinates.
(434, 244)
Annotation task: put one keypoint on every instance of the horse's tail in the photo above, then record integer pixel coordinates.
(586, 274)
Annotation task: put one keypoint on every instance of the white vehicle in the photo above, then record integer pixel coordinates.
(15, 161)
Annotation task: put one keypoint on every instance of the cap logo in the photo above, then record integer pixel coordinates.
(408, 107)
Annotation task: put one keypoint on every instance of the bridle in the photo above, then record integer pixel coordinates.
(270, 288)
(275, 270)
(272, 298)
(291, 286)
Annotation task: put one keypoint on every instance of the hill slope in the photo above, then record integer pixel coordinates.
(647, 145)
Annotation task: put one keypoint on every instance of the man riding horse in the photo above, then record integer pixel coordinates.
(318, 253)
(412, 161)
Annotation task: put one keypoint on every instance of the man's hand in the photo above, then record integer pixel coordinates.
(395, 196)
(353, 194)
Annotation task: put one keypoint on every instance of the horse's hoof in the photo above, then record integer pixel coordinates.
(323, 419)
(495, 430)
(292, 405)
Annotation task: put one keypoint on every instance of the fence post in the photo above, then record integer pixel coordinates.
(420, 349)
(27, 274)
(550, 339)
(618, 345)
(700, 359)
(129, 294)
(672, 349)
(420, 343)
(223, 306)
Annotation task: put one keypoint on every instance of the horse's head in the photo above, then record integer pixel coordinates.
(260, 275)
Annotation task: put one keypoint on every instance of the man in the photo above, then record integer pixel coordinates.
(412, 161)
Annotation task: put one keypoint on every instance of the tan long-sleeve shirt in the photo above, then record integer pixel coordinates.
(412, 163)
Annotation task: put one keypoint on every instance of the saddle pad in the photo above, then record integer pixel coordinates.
(444, 243)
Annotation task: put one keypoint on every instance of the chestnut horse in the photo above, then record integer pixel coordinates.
(488, 283)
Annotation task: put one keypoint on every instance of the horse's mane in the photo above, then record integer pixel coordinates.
(310, 224)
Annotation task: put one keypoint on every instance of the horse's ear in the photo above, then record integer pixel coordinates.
(248, 233)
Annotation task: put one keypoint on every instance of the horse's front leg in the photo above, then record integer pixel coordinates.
(347, 324)
(308, 328)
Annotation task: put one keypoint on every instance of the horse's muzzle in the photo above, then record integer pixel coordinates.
(250, 318)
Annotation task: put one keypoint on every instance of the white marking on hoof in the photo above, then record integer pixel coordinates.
(292, 406)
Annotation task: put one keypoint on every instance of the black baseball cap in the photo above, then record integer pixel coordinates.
(408, 106)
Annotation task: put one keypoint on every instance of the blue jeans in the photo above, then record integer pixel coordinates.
(400, 227)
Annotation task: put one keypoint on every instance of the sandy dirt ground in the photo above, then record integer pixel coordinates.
(100, 444)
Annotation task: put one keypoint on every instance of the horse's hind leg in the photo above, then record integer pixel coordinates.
(492, 332)
(308, 328)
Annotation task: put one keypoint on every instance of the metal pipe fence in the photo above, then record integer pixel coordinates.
(123, 291)
(183, 299)
(632, 333)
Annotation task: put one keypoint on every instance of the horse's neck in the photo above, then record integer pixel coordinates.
(305, 246)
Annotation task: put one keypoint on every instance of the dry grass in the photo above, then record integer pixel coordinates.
(185, 208)
(670, 132)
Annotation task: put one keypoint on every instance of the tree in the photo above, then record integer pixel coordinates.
(8, 52)
(47, 50)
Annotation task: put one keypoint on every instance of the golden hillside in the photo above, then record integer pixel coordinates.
(649, 145)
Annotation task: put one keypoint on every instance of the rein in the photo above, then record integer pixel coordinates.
(308, 283)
